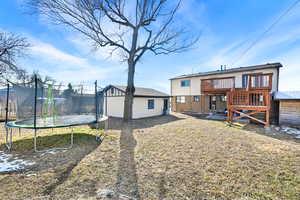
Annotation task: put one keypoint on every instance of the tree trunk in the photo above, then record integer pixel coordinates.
(129, 92)
(127, 116)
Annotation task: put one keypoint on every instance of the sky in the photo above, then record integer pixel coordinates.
(227, 29)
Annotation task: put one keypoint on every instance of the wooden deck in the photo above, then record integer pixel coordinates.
(248, 103)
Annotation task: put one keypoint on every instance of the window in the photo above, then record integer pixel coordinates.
(112, 90)
(150, 104)
(260, 81)
(196, 98)
(185, 83)
(245, 80)
(223, 98)
(180, 99)
(213, 98)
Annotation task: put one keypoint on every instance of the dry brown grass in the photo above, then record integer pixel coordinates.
(173, 157)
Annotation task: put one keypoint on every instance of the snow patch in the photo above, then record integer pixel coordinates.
(9, 163)
(53, 151)
(113, 195)
(288, 130)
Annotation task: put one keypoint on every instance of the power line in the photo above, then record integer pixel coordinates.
(267, 30)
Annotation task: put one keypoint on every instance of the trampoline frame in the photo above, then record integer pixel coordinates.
(9, 127)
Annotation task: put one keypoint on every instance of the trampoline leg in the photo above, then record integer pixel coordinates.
(35, 146)
(99, 136)
(8, 138)
(72, 140)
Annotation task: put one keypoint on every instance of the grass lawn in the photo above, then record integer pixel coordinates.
(171, 157)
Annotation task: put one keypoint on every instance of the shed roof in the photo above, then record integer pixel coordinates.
(142, 92)
(231, 70)
(287, 95)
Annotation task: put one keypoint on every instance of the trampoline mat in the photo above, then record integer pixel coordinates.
(60, 121)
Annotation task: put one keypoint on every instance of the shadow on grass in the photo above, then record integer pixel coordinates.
(49, 141)
(127, 179)
(161, 186)
(117, 123)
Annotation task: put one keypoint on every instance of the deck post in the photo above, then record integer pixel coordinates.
(269, 108)
(267, 118)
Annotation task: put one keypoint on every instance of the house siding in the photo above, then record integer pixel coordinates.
(140, 107)
(195, 89)
(195, 86)
(115, 107)
(190, 105)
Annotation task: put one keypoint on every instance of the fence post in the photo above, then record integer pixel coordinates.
(35, 100)
(7, 100)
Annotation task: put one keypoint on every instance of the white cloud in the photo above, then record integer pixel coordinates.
(85, 46)
(49, 52)
(66, 67)
(86, 74)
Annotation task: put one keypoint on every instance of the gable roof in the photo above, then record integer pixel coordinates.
(239, 69)
(141, 92)
(287, 95)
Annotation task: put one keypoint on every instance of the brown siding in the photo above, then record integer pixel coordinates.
(289, 112)
(196, 106)
(182, 107)
(190, 105)
(205, 103)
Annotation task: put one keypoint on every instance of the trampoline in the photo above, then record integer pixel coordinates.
(49, 106)
(62, 122)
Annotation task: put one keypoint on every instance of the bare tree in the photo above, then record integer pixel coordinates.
(11, 47)
(130, 28)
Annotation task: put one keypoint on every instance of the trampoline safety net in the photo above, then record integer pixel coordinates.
(40, 105)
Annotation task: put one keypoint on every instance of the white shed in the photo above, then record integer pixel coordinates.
(147, 102)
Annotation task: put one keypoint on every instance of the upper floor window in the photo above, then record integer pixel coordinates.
(256, 81)
(245, 79)
(150, 104)
(260, 81)
(185, 83)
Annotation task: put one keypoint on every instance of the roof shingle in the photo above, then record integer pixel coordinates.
(239, 69)
(139, 91)
(288, 95)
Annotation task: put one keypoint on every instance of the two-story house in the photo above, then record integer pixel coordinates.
(233, 90)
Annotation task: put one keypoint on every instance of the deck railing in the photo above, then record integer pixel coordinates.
(249, 98)
(219, 84)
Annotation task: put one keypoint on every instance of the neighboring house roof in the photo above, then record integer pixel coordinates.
(287, 95)
(231, 70)
(141, 92)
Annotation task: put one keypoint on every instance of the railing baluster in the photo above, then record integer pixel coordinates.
(248, 98)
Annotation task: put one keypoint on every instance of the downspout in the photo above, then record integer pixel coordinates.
(277, 79)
